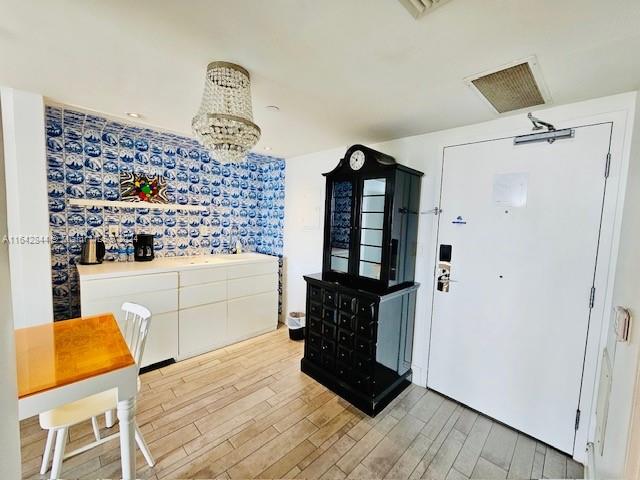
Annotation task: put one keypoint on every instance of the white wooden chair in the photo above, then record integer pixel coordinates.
(58, 420)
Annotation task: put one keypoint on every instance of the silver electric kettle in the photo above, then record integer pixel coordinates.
(92, 251)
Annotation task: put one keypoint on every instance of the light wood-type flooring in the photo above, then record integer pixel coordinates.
(247, 411)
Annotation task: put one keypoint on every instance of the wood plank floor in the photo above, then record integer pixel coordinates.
(246, 411)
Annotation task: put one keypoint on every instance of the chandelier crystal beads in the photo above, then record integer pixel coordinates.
(224, 122)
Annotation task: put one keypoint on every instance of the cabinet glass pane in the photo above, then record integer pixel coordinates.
(372, 224)
(371, 254)
(373, 204)
(375, 186)
(371, 237)
(370, 270)
(372, 220)
(339, 264)
(341, 206)
(340, 252)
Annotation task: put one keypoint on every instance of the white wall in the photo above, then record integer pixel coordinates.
(9, 433)
(27, 206)
(305, 193)
(626, 293)
(303, 220)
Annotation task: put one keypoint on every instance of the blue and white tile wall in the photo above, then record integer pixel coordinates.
(86, 153)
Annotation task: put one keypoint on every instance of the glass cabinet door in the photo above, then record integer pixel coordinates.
(340, 235)
(371, 227)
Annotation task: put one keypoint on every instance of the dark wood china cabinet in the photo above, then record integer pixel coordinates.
(361, 307)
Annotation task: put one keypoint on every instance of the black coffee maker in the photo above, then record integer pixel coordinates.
(143, 247)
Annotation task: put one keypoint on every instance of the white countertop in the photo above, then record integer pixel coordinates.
(167, 264)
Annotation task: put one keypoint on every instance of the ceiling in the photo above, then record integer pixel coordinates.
(341, 71)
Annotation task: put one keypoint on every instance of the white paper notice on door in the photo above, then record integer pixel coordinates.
(510, 189)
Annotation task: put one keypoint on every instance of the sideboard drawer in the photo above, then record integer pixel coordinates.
(203, 294)
(315, 293)
(348, 303)
(366, 309)
(243, 287)
(346, 321)
(127, 286)
(252, 269)
(202, 275)
(157, 302)
(330, 298)
(314, 324)
(329, 315)
(315, 309)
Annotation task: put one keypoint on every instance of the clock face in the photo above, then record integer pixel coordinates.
(356, 161)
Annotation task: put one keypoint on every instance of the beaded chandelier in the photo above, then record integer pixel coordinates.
(224, 122)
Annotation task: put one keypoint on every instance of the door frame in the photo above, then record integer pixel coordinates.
(619, 148)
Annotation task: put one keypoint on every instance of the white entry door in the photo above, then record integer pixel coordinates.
(508, 337)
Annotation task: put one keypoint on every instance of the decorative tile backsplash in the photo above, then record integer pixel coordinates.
(86, 154)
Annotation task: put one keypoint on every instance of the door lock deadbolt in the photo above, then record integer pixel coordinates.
(444, 268)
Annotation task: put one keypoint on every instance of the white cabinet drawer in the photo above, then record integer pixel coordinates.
(242, 287)
(203, 294)
(202, 328)
(162, 339)
(161, 301)
(127, 286)
(249, 316)
(252, 269)
(203, 275)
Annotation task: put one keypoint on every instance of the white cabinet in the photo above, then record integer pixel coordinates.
(203, 328)
(252, 315)
(195, 308)
(162, 339)
(214, 313)
(157, 292)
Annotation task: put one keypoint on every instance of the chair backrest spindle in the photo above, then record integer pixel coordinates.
(137, 323)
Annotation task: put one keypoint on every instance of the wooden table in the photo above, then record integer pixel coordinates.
(62, 362)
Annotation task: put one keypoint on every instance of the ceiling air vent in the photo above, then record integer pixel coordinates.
(514, 87)
(417, 8)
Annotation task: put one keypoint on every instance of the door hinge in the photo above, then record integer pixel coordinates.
(577, 418)
(607, 166)
(592, 297)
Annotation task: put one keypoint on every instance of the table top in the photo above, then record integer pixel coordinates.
(59, 353)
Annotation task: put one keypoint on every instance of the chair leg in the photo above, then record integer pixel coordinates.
(58, 453)
(96, 429)
(46, 456)
(109, 418)
(144, 448)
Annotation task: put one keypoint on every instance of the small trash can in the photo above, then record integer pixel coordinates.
(295, 322)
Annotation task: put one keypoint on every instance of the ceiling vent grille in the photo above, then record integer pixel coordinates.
(418, 8)
(515, 87)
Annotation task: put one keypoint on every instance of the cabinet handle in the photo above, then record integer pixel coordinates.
(373, 311)
(353, 304)
(394, 259)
